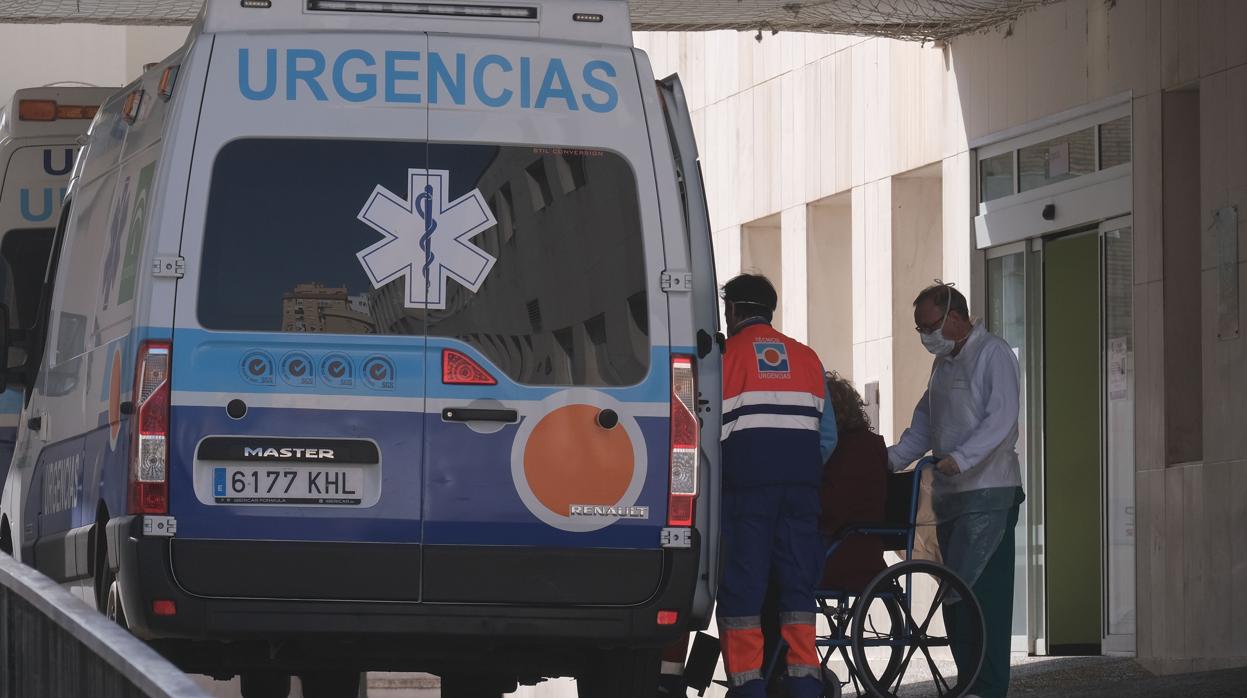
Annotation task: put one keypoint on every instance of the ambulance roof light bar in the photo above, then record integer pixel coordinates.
(50, 110)
(424, 8)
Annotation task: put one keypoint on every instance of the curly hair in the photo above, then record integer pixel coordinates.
(848, 404)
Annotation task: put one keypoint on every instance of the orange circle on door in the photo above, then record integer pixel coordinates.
(569, 459)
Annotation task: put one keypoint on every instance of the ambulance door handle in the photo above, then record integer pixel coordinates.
(471, 414)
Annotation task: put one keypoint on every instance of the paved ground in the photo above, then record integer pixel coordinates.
(1062, 677)
(1106, 676)
(1033, 677)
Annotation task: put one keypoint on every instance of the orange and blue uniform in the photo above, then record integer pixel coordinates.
(778, 429)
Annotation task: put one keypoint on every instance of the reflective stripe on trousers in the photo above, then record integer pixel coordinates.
(797, 629)
(742, 648)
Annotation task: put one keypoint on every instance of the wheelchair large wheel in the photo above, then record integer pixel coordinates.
(899, 616)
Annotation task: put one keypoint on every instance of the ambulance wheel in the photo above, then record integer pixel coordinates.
(104, 577)
(112, 605)
(331, 684)
(620, 673)
(462, 686)
(264, 684)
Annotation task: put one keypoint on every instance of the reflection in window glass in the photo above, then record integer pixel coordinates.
(1115, 143)
(539, 185)
(996, 176)
(559, 306)
(569, 289)
(1056, 160)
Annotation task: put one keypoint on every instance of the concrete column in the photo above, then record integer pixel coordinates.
(917, 253)
(872, 294)
(726, 255)
(829, 282)
(958, 248)
(727, 244)
(761, 252)
(793, 305)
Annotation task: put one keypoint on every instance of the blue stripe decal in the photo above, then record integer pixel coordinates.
(277, 363)
(11, 401)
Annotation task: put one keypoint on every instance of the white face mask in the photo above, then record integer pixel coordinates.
(935, 342)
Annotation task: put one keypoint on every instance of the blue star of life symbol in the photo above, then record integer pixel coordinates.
(425, 238)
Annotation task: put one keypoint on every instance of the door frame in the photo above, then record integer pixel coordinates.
(1012, 224)
(1034, 477)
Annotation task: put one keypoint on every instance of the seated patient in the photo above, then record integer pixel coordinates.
(854, 491)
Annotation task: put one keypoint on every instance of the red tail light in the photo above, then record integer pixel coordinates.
(685, 434)
(149, 458)
(459, 369)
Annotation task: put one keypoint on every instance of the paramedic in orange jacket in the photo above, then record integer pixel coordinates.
(778, 429)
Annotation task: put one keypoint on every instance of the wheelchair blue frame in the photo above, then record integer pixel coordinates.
(838, 605)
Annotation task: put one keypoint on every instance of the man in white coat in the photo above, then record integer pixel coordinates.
(968, 419)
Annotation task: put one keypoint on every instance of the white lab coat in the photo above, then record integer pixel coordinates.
(969, 412)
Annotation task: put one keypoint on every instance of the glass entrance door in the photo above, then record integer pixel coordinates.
(1015, 311)
(1117, 259)
(1009, 292)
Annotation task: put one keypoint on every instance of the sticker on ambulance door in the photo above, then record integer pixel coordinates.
(426, 238)
(597, 486)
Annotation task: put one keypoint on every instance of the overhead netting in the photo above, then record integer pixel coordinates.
(900, 19)
(101, 11)
(917, 20)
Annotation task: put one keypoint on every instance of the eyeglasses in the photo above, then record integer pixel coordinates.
(936, 328)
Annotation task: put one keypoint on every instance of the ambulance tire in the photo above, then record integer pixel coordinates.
(463, 686)
(264, 684)
(331, 684)
(620, 673)
(104, 577)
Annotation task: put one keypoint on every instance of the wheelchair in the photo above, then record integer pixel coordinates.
(889, 630)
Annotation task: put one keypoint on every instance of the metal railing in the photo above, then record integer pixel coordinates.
(52, 645)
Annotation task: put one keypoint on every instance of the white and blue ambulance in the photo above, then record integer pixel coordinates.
(381, 335)
(39, 130)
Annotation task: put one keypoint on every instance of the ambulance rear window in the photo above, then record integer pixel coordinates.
(535, 254)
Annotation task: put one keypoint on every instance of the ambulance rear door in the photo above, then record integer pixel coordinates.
(547, 431)
(298, 383)
(699, 315)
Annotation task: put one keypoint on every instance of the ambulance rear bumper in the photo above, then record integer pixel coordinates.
(539, 606)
